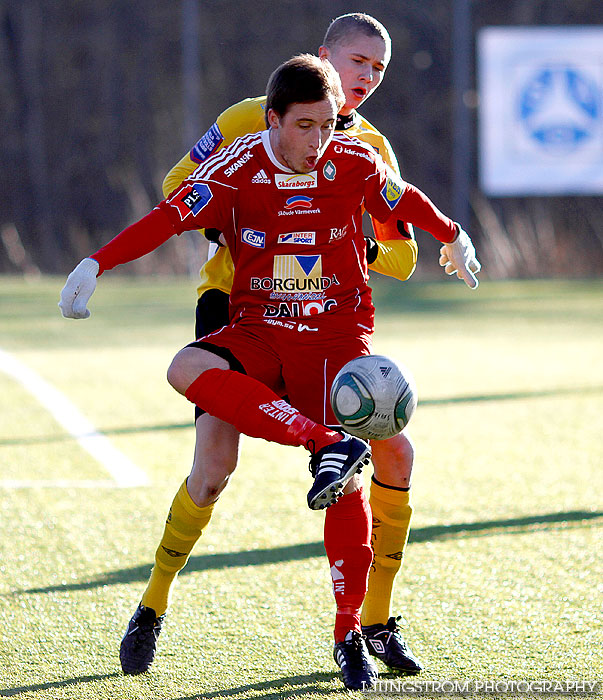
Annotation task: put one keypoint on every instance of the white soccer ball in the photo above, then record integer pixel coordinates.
(373, 397)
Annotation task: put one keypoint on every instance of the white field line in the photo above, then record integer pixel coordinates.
(124, 472)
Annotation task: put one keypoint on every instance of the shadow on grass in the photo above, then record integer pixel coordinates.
(292, 687)
(423, 403)
(9, 692)
(296, 552)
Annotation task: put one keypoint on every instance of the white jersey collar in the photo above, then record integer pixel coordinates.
(270, 153)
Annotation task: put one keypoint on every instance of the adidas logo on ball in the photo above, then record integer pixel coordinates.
(373, 397)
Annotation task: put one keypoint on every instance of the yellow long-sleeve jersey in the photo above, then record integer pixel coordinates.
(398, 250)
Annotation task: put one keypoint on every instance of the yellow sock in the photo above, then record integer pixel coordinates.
(391, 521)
(183, 527)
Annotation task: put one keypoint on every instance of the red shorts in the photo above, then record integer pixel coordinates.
(297, 358)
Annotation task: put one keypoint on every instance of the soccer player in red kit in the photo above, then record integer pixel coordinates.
(359, 48)
(296, 317)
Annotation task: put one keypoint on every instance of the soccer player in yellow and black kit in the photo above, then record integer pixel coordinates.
(359, 47)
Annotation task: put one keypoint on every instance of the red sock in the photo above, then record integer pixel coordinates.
(348, 526)
(256, 410)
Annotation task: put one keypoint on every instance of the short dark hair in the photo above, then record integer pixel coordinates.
(303, 78)
(342, 27)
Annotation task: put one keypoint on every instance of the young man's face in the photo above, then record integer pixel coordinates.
(361, 61)
(301, 135)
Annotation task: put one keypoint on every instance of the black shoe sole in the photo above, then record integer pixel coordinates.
(331, 493)
(397, 669)
(402, 671)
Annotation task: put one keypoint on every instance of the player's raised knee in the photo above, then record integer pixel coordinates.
(397, 451)
(189, 364)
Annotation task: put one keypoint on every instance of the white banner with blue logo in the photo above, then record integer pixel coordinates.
(541, 110)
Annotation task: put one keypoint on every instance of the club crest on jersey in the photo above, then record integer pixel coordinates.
(298, 237)
(190, 199)
(256, 239)
(295, 181)
(329, 171)
(391, 192)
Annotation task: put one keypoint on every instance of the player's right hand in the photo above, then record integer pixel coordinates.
(78, 289)
(459, 257)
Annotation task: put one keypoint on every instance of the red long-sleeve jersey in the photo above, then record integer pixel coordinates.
(295, 239)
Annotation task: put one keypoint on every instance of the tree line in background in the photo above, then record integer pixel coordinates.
(91, 99)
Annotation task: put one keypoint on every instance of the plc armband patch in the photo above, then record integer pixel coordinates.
(391, 193)
(190, 199)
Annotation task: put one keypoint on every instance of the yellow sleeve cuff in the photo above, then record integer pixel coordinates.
(397, 258)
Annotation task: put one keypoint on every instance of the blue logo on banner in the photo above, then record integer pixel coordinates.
(559, 108)
(207, 144)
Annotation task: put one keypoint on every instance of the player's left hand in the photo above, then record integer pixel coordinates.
(459, 257)
(78, 289)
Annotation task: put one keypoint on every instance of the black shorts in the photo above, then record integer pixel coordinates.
(211, 314)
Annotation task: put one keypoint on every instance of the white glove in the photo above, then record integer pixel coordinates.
(459, 256)
(78, 289)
